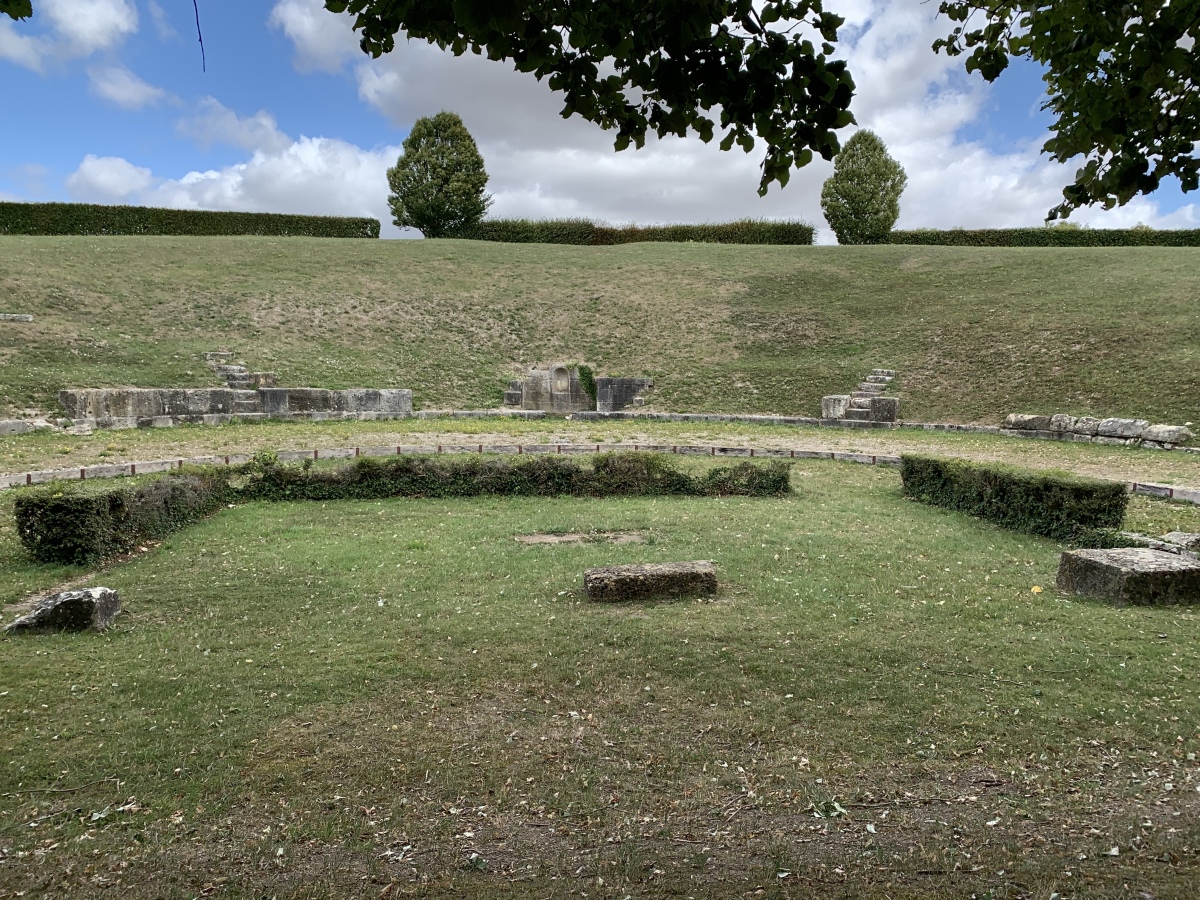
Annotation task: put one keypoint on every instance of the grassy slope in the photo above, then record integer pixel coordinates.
(974, 332)
(312, 700)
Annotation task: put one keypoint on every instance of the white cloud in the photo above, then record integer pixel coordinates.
(323, 41)
(108, 179)
(22, 49)
(120, 86)
(90, 25)
(215, 123)
(162, 24)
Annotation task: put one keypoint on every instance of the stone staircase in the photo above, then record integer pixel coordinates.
(237, 377)
(871, 387)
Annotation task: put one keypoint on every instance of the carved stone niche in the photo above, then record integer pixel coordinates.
(556, 389)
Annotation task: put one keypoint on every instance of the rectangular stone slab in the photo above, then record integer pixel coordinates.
(1131, 575)
(652, 580)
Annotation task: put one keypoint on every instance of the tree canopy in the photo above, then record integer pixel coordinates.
(438, 182)
(861, 199)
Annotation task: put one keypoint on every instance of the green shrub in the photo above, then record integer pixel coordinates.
(1055, 506)
(639, 474)
(583, 232)
(77, 525)
(93, 219)
(1050, 237)
(748, 480)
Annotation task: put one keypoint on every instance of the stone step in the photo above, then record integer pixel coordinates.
(858, 415)
(860, 403)
(868, 388)
(878, 379)
(218, 355)
(237, 383)
(246, 406)
(864, 395)
(890, 373)
(232, 370)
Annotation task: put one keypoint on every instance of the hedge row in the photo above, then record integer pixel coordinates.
(612, 474)
(1054, 506)
(584, 232)
(92, 219)
(77, 526)
(1050, 237)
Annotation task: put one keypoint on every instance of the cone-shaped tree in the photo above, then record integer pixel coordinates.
(861, 199)
(438, 182)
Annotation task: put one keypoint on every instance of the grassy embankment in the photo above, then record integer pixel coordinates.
(975, 333)
(309, 700)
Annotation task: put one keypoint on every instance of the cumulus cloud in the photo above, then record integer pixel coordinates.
(90, 25)
(322, 40)
(109, 179)
(162, 24)
(118, 85)
(24, 50)
(215, 123)
(311, 176)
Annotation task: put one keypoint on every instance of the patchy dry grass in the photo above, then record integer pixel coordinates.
(398, 698)
(974, 332)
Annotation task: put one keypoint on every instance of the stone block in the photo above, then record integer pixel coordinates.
(1061, 422)
(1122, 428)
(834, 406)
(1023, 422)
(649, 581)
(70, 611)
(1087, 425)
(1132, 575)
(371, 400)
(263, 379)
(15, 317)
(614, 394)
(885, 409)
(274, 401)
(1114, 441)
(1167, 434)
(1185, 539)
(512, 398)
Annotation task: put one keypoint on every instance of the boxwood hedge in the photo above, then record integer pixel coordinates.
(93, 219)
(1050, 237)
(584, 232)
(1061, 507)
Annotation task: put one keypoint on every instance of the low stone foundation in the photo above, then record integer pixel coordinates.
(652, 580)
(1133, 575)
(1091, 430)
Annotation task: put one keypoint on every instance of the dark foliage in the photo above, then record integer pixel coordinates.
(93, 219)
(583, 232)
(1054, 506)
(1050, 237)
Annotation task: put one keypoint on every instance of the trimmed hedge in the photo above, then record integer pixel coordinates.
(93, 219)
(66, 523)
(1055, 506)
(1050, 237)
(583, 232)
(612, 474)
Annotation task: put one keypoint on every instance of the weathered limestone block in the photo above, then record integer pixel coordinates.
(834, 406)
(1131, 575)
(1184, 539)
(614, 394)
(15, 317)
(1122, 428)
(1061, 422)
(1167, 434)
(1023, 422)
(1087, 425)
(383, 401)
(70, 611)
(643, 582)
(274, 401)
(885, 409)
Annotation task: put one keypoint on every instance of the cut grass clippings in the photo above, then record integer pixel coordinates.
(391, 698)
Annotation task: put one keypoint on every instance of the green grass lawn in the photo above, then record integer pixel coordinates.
(399, 698)
(974, 332)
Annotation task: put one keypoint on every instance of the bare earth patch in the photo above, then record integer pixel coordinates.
(579, 537)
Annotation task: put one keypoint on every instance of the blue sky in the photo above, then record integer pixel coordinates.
(106, 101)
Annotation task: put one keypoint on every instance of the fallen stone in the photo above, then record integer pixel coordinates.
(15, 317)
(834, 406)
(95, 608)
(1023, 422)
(1087, 425)
(644, 582)
(1130, 575)
(1122, 428)
(1184, 539)
(1167, 434)
(1061, 422)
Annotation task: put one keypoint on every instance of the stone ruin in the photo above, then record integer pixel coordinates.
(1092, 430)
(249, 396)
(559, 389)
(866, 404)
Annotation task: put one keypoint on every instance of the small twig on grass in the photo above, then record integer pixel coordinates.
(70, 790)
